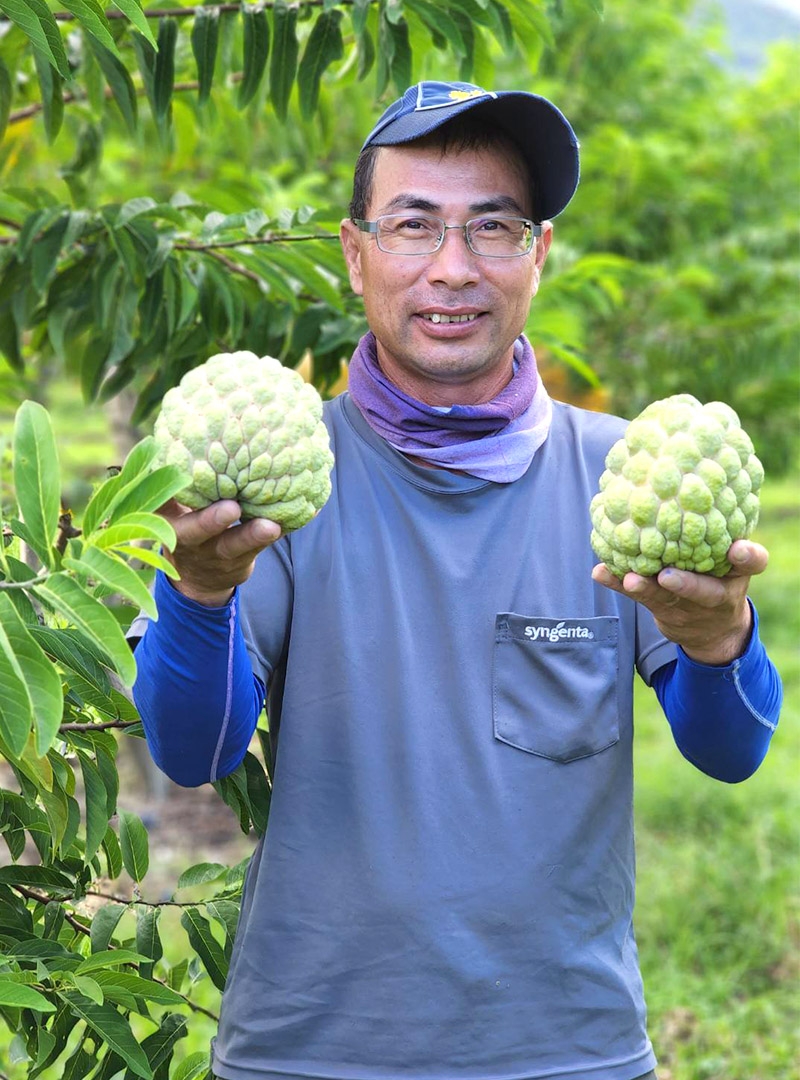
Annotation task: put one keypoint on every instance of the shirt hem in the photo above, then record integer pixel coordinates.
(630, 1068)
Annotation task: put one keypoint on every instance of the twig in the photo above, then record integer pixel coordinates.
(31, 895)
(102, 726)
(181, 13)
(199, 245)
(36, 107)
(236, 268)
(24, 584)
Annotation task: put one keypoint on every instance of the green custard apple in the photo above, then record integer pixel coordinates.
(247, 428)
(677, 490)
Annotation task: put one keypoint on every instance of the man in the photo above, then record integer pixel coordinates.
(445, 890)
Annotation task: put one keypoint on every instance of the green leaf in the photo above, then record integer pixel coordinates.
(112, 958)
(16, 704)
(93, 19)
(51, 96)
(256, 51)
(89, 988)
(6, 96)
(133, 9)
(438, 20)
(116, 575)
(37, 477)
(148, 939)
(42, 681)
(79, 1064)
(285, 50)
(24, 997)
(358, 15)
(96, 805)
(134, 844)
(164, 70)
(102, 498)
(259, 792)
(112, 1028)
(136, 986)
(120, 83)
(36, 21)
(296, 265)
(205, 38)
(137, 526)
(36, 950)
(104, 924)
(193, 1067)
(226, 913)
(366, 54)
(148, 493)
(72, 601)
(201, 874)
(41, 877)
(206, 946)
(504, 28)
(71, 650)
(323, 47)
(401, 55)
(113, 853)
(152, 558)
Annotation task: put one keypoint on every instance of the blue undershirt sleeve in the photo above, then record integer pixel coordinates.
(722, 718)
(195, 689)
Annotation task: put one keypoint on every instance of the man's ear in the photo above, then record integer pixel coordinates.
(351, 246)
(540, 252)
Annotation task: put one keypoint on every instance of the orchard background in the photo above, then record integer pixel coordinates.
(171, 182)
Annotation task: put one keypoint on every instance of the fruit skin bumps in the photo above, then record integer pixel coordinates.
(677, 490)
(247, 428)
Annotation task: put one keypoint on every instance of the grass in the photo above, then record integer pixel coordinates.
(719, 867)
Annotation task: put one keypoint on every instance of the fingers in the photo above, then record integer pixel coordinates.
(194, 527)
(747, 558)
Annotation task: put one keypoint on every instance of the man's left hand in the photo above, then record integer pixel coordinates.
(709, 617)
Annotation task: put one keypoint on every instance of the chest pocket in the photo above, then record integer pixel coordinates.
(554, 685)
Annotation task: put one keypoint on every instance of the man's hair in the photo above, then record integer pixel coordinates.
(465, 132)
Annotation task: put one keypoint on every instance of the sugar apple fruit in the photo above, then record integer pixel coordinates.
(247, 428)
(678, 489)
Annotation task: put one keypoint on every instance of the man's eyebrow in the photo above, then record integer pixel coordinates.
(406, 201)
(496, 204)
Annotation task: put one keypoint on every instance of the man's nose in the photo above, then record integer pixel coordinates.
(454, 264)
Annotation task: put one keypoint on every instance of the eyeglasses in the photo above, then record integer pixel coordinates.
(422, 234)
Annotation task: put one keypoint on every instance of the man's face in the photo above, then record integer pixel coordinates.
(440, 362)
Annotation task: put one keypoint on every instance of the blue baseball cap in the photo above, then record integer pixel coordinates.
(542, 133)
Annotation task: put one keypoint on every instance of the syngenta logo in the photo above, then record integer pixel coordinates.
(559, 632)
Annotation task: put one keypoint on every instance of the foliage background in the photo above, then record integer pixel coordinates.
(675, 268)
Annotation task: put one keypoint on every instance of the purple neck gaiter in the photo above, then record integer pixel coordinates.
(494, 440)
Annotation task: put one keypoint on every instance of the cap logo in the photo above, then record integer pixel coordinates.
(465, 95)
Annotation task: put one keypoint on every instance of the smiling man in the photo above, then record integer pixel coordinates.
(445, 890)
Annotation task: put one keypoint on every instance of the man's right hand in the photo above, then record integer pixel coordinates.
(212, 557)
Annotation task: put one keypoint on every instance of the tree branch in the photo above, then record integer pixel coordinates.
(36, 107)
(181, 13)
(236, 268)
(199, 245)
(102, 726)
(29, 894)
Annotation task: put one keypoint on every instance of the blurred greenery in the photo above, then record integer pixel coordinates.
(675, 268)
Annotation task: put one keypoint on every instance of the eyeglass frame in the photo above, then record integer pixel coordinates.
(372, 227)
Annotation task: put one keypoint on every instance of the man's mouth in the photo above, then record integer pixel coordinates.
(442, 317)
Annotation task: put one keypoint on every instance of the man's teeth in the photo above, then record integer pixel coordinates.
(438, 317)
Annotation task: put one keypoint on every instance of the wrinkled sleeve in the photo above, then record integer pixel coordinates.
(722, 718)
(195, 689)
